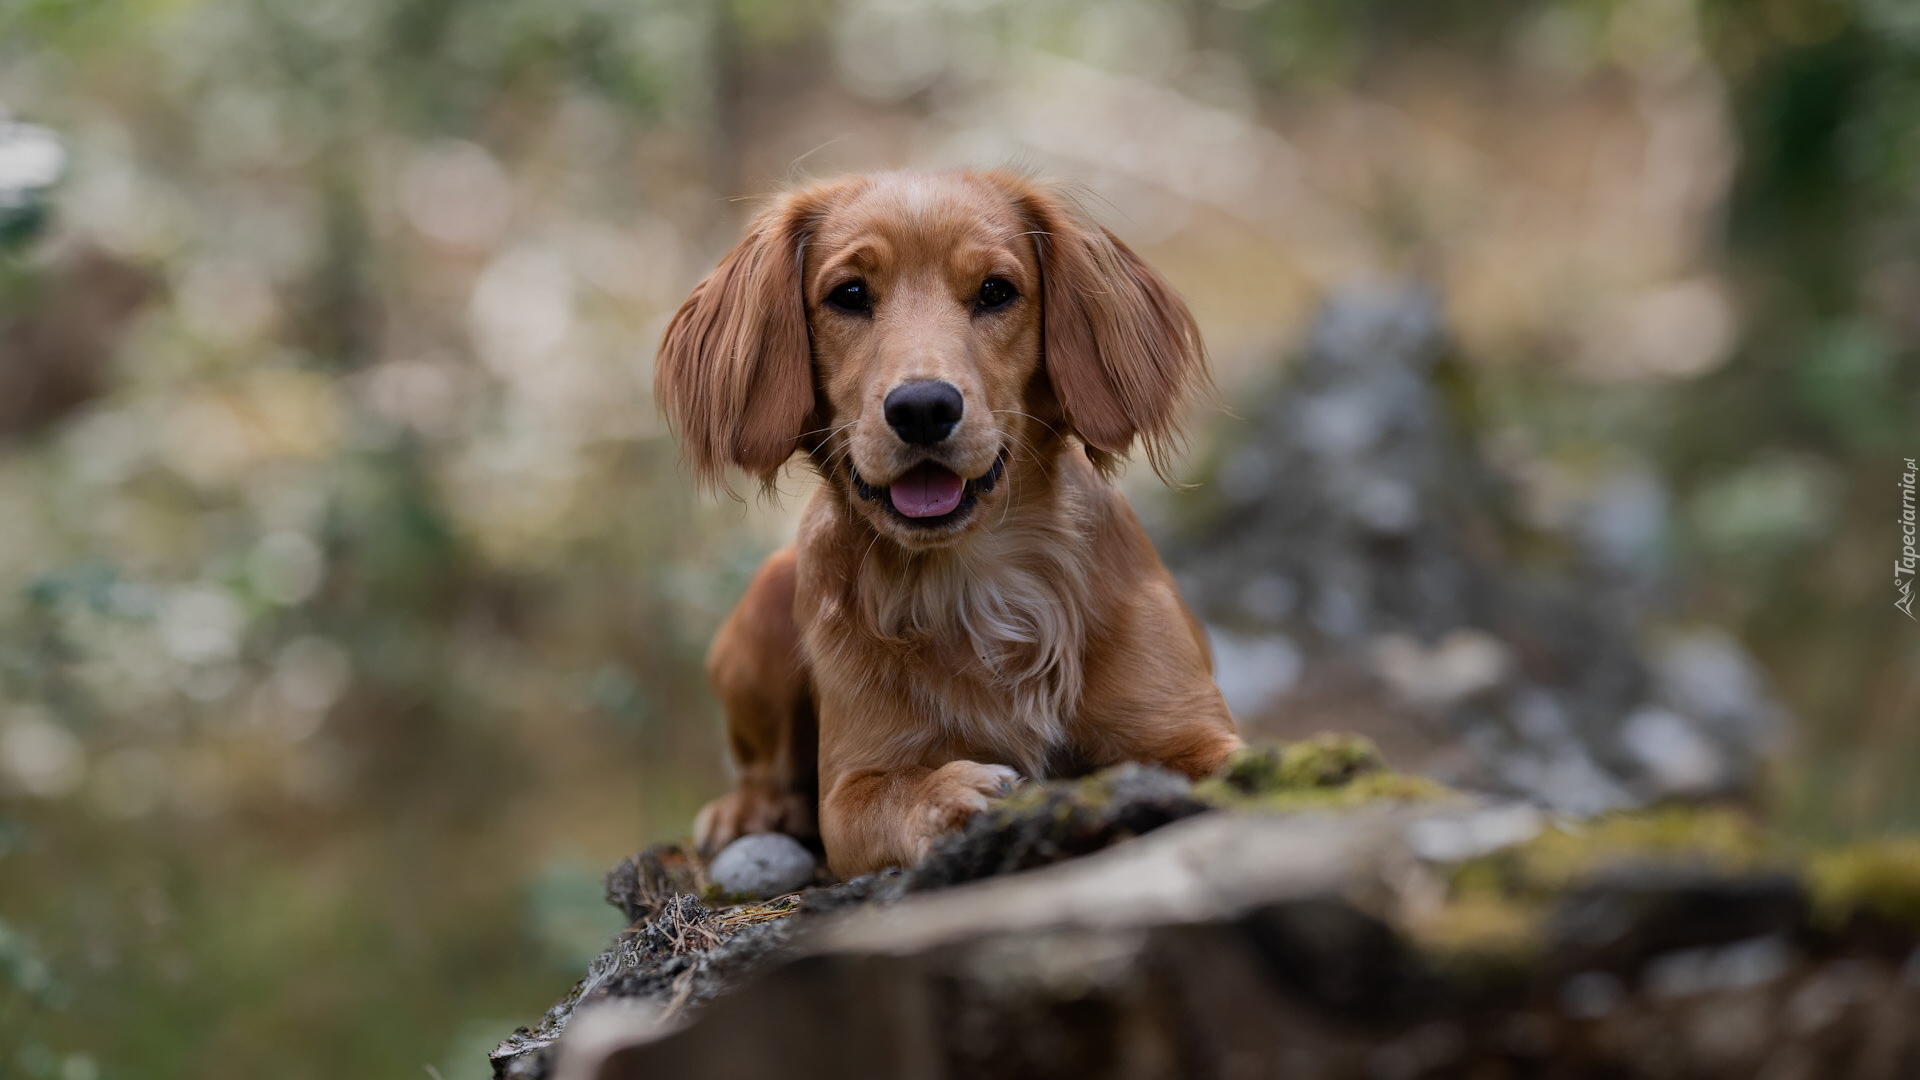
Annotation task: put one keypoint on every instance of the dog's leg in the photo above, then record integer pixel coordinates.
(1149, 694)
(756, 671)
(871, 818)
(1197, 748)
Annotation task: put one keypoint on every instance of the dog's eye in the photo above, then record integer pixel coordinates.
(851, 296)
(996, 292)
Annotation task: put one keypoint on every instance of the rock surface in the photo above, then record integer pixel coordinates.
(1234, 946)
(684, 947)
(761, 866)
(1308, 915)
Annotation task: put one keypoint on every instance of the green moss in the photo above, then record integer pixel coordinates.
(1718, 838)
(1324, 771)
(1491, 901)
(1061, 799)
(1366, 789)
(1880, 877)
(1324, 760)
(1495, 906)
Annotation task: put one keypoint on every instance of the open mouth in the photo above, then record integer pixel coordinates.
(930, 494)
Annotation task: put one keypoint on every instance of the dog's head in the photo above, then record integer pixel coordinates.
(919, 335)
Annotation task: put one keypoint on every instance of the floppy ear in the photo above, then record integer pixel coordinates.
(1123, 353)
(735, 371)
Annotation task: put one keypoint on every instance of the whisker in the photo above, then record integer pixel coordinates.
(831, 432)
(1016, 412)
(1025, 445)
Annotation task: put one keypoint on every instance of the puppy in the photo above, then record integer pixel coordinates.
(964, 358)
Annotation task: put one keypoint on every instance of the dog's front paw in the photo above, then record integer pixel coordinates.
(953, 794)
(751, 808)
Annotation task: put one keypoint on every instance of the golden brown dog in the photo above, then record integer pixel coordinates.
(964, 358)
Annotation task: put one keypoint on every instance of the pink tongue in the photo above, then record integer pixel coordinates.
(927, 491)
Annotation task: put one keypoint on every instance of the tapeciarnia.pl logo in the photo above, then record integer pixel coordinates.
(1903, 567)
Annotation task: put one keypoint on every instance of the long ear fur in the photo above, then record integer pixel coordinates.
(735, 369)
(1123, 353)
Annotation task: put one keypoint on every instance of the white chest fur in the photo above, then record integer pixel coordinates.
(995, 633)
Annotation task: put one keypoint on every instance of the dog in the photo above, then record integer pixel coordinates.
(965, 359)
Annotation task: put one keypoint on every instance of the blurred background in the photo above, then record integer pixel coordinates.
(351, 603)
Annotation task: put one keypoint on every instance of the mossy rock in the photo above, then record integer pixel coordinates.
(1044, 823)
(1876, 879)
(1326, 770)
(1612, 902)
(1048, 822)
(1673, 838)
(1325, 760)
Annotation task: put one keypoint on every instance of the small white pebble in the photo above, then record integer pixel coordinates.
(762, 865)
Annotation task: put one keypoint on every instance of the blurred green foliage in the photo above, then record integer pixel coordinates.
(1823, 234)
(351, 604)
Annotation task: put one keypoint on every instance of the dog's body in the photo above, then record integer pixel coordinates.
(969, 600)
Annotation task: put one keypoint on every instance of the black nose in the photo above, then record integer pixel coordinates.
(922, 413)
